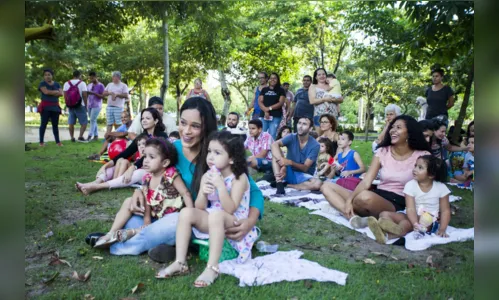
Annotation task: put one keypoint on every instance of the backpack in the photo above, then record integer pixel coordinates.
(72, 95)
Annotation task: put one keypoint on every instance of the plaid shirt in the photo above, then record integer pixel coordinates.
(263, 142)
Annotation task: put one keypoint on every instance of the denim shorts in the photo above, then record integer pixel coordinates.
(295, 177)
(79, 113)
(264, 164)
(113, 115)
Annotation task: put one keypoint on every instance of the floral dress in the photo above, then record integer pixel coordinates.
(164, 199)
(325, 107)
(242, 212)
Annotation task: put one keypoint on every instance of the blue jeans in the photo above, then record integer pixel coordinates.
(93, 113)
(162, 231)
(271, 126)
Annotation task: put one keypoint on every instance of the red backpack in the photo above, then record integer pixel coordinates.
(72, 95)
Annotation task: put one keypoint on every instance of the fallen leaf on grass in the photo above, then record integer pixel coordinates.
(138, 287)
(98, 257)
(56, 260)
(51, 278)
(429, 261)
(393, 257)
(410, 266)
(88, 297)
(81, 278)
(369, 261)
(70, 240)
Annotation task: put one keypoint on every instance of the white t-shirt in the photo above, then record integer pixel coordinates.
(169, 122)
(82, 87)
(119, 88)
(430, 201)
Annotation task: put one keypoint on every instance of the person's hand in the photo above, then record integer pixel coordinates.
(127, 176)
(137, 203)
(267, 115)
(113, 96)
(215, 180)
(442, 234)
(348, 210)
(239, 230)
(286, 162)
(322, 166)
(106, 135)
(279, 176)
(346, 174)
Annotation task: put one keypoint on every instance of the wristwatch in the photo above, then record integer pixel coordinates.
(270, 107)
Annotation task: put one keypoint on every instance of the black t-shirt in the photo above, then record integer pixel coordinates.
(437, 101)
(271, 97)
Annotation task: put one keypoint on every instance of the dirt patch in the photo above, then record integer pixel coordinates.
(70, 216)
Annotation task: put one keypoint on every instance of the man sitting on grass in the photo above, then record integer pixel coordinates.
(298, 167)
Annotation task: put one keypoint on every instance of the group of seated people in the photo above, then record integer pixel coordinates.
(200, 181)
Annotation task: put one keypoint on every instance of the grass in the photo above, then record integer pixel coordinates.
(53, 205)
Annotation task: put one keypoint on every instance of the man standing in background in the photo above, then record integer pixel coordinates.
(95, 90)
(301, 106)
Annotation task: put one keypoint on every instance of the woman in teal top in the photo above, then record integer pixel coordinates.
(197, 121)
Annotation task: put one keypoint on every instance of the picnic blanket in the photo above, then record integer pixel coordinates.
(319, 205)
(280, 266)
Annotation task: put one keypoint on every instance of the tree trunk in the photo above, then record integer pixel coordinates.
(466, 99)
(322, 46)
(166, 75)
(226, 95)
(340, 52)
(368, 108)
(141, 98)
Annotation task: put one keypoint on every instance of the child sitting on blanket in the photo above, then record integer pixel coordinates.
(163, 188)
(348, 162)
(468, 164)
(327, 151)
(425, 196)
(225, 189)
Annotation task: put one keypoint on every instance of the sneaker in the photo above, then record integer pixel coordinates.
(82, 140)
(60, 144)
(96, 138)
(280, 188)
(73, 140)
(89, 138)
(358, 222)
(379, 234)
(42, 144)
(390, 226)
(162, 253)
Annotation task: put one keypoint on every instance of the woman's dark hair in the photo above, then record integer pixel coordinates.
(415, 137)
(160, 127)
(165, 148)
(234, 146)
(331, 119)
(256, 122)
(314, 79)
(278, 84)
(435, 167)
(427, 125)
(331, 146)
(174, 134)
(279, 133)
(209, 124)
(468, 133)
(439, 71)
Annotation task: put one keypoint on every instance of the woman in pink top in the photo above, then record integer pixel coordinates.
(402, 145)
(198, 91)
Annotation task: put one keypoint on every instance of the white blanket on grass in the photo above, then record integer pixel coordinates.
(455, 234)
(280, 266)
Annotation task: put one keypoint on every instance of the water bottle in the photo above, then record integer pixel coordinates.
(213, 196)
(263, 246)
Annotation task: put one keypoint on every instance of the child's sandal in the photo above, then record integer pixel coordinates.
(124, 235)
(165, 273)
(106, 240)
(202, 281)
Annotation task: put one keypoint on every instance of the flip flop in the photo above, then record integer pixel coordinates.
(184, 270)
(101, 243)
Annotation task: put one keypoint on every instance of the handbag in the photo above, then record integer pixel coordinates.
(350, 183)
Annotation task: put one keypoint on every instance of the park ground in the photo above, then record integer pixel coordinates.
(58, 218)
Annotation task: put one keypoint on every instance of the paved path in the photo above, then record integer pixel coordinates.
(31, 134)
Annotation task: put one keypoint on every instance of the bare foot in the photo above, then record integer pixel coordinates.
(86, 188)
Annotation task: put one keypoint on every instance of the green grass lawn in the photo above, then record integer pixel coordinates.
(52, 204)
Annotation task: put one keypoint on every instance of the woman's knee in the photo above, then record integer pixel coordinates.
(316, 184)
(326, 186)
(362, 200)
(385, 214)
(187, 213)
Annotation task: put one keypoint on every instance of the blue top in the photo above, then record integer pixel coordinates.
(186, 170)
(49, 98)
(310, 151)
(303, 107)
(256, 106)
(348, 162)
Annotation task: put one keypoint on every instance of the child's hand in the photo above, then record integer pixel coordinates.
(216, 180)
(127, 176)
(442, 234)
(346, 174)
(207, 188)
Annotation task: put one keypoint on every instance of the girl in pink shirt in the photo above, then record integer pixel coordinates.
(402, 145)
